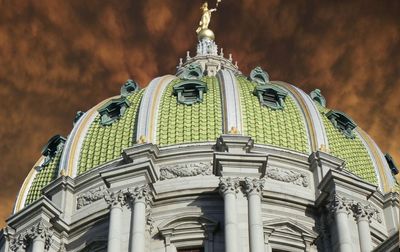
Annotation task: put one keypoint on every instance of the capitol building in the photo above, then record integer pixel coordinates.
(209, 159)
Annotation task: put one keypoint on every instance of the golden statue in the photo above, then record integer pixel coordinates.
(206, 17)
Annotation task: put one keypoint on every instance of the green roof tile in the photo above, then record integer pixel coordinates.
(179, 123)
(43, 178)
(352, 151)
(105, 143)
(283, 127)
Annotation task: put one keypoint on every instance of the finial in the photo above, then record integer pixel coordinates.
(203, 31)
(230, 57)
(187, 55)
(236, 64)
(180, 62)
(222, 52)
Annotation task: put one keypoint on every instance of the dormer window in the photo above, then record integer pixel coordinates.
(50, 150)
(270, 96)
(342, 122)
(113, 110)
(190, 92)
(259, 76)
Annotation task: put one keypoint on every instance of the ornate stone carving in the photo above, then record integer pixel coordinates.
(89, 197)
(185, 170)
(115, 199)
(37, 231)
(339, 203)
(287, 176)
(365, 212)
(228, 185)
(253, 185)
(19, 243)
(139, 193)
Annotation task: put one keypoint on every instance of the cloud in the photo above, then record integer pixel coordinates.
(58, 57)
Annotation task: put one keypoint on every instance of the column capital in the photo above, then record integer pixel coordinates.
(339, 203)
(115, 199)
(228, 185)
(20, 242)
(40, 231)
(139, 193)
(253, 186)
(365, 212)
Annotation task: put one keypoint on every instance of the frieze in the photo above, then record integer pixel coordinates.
(185, 170)
(287, 176)
(89, 197)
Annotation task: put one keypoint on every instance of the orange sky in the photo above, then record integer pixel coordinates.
(58, 57)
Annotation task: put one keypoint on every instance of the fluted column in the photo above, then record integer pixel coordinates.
(139, 196)
(339, 207)
(228, 188)
(115, 200)
(253, 189)
(363, 216)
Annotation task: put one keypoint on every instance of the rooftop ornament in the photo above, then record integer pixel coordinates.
(129, 87)
(259, 76)
(113, 110)
(203, 31)
(317, 96)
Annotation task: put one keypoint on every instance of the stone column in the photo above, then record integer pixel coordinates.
(253, 189)
(228, 188)
(40, 235)
(139, 197)
(363, 216)
(340, 208)
(116, 200)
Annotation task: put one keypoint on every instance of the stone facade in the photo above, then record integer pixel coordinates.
(255, 198)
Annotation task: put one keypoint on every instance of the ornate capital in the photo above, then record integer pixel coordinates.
(228, 185)
(365, 212)
(115, 199)
(139, 193)
(339, 204)
(37, 231)
(253, 186)
(19, 243)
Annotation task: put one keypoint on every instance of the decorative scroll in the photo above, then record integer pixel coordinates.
(89, 197)
(185, 170)
(287, 176)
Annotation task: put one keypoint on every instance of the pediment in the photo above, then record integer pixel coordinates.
(288, 226)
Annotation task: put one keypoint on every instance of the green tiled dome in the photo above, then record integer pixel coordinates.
(274, 114)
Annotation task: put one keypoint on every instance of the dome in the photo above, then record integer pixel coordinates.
(206, 98)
